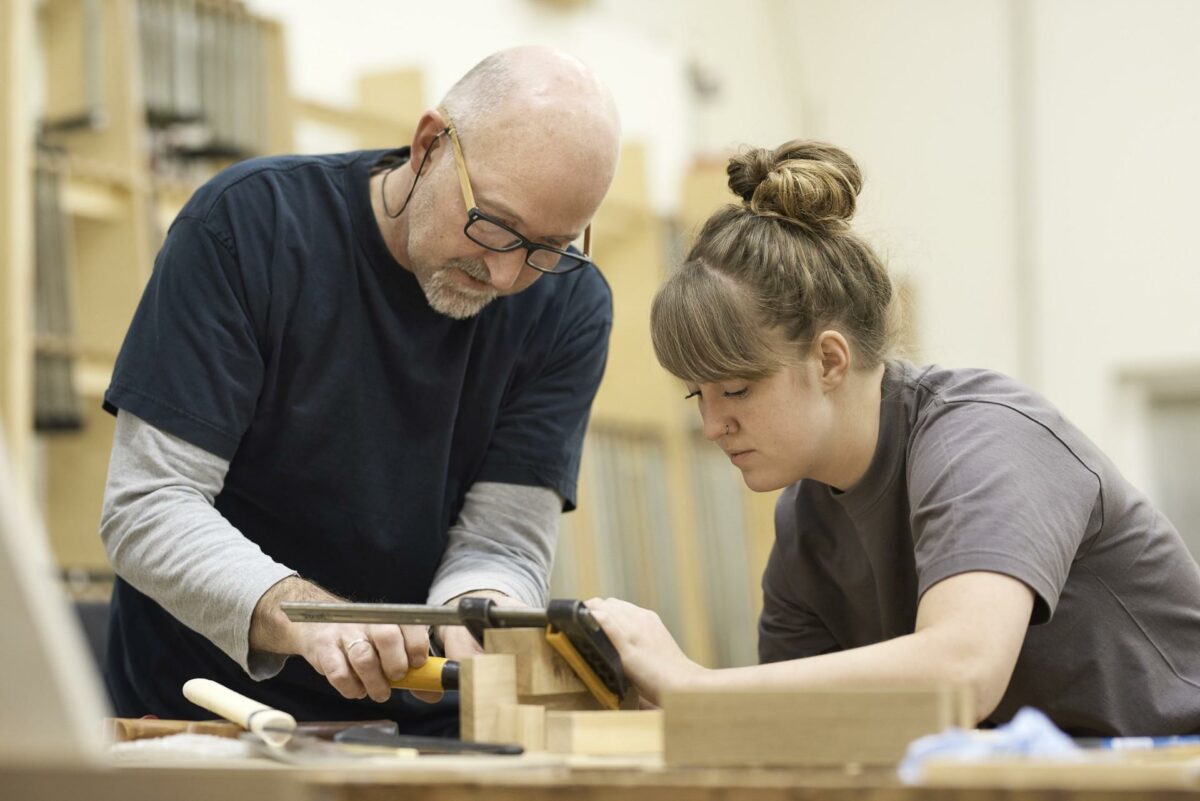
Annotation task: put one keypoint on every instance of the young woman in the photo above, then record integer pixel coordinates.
(937, 524)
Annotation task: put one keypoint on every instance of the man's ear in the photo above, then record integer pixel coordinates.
(834, 352)
(429, 126)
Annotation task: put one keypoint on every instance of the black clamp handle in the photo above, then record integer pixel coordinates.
(476, 615)
(573, 619)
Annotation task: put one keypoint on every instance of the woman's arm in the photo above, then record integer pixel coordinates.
(969, 630)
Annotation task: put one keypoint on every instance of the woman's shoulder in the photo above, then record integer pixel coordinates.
(933, 382)
(976, 413)
(932, 392)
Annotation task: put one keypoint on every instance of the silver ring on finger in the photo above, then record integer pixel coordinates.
(346, 648)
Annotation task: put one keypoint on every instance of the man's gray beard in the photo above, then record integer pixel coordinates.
(448, 297)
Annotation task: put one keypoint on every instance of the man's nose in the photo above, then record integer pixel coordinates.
(505, 268)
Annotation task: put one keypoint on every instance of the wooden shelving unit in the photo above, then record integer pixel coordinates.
(16, 236)
(119, 203)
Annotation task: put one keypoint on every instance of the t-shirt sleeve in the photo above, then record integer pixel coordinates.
(190, 364)
(788, 628)
(991, 489)
(538, 439)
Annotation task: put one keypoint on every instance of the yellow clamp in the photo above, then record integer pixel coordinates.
(566, 649)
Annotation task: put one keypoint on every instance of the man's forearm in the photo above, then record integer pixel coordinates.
(163, 536)
(270, 629)
(503, 541)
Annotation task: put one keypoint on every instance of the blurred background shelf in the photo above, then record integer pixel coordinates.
(117, 110)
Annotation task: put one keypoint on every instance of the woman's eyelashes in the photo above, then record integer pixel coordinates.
(739, 393)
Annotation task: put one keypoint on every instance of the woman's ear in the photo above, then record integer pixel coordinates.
(834, 352)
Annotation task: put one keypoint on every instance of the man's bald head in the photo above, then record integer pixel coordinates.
(528, 103)
(540, 141)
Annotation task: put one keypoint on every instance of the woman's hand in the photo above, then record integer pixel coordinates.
(652, 659)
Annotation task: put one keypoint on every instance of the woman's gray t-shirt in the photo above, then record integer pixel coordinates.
(974, 471)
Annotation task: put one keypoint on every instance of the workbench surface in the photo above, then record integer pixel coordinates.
(590, 780)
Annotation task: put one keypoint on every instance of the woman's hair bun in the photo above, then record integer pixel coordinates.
(810, 183)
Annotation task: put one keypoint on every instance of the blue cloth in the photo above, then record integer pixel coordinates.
(278, 332)
(1029, 733)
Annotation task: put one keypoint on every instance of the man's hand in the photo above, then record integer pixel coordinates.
(358, 659)
(457, 642)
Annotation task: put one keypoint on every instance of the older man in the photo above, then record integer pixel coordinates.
(361, 376)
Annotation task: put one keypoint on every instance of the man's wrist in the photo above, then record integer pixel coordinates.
(270, 629)
(496, 595)
(437, 633)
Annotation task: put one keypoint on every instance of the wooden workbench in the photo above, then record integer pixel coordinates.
(595, 780)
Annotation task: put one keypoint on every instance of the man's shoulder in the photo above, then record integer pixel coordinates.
(253, 180)
(584, 293)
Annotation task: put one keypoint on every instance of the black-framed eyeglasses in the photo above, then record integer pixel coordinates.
(494, 235)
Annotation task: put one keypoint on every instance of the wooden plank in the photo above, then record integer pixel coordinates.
(120, 730)
(120, 141)
(784, 728)
(95, 201)
(605, 732)
(540, 670)
(523, 724)
(16, 235)
(279, 113)
(51, 700)
(486, 683)
(76, 471)
(63, 29)
(397, 94)
(369, 130)
(563, 701)
(1109, 771)
(56, 782)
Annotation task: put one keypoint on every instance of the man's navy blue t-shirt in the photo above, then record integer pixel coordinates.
(278, 332)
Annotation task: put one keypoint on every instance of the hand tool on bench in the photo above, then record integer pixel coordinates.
(274, 726)
(280, 732)
(570, 630)
(120, 730)
(366, 736)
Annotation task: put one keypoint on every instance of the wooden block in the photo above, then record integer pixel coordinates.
(523, 724)
(485, 683)
(119, 730)
(565, 702)
(1103, 770)
(605, 732)
(540, 670)
(788, 728)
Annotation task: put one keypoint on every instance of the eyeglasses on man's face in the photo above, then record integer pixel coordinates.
(488, 232)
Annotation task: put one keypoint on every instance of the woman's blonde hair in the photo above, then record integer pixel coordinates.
(784, 259)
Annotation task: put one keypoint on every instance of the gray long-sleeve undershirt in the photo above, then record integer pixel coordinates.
(164, 536)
